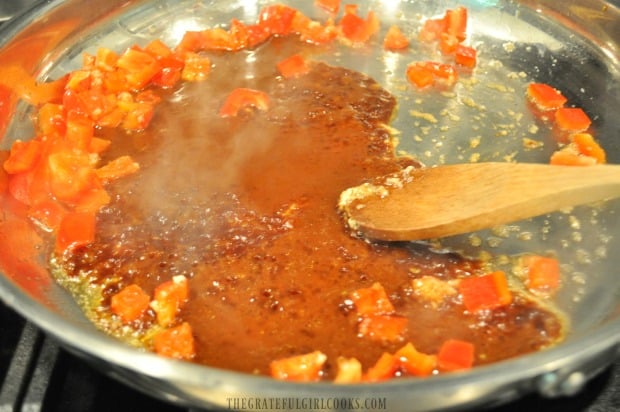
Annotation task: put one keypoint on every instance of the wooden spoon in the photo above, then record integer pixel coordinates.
(448, 200)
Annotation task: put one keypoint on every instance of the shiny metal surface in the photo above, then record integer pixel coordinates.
(9, 9)
(573, 45)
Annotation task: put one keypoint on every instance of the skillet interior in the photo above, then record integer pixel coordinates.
(574, 46)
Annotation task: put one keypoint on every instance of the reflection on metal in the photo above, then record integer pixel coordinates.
(483, 118)
(11, 8)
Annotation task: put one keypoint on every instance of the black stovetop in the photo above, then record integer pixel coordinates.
(38, 375)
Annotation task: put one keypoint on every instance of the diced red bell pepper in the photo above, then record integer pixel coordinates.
(23, 156)
(452, 26)
(76, 229)
(136, 115)
(415, 363)
(147, 96)
(48, 92)
(349, 370)
(39, 184)
(79, 81)
(115, 169)
(448, 43)
(420, 75)
(395, 39)
(312, 31)
(168, 299)
(19, 186)
(172, 61)
(489, 291)
(455, 355)
(197, 67)
(465, 56)
(130, 303)
(106, 59)
(372, 301)
(569, 156)
(357, 29)
(192, 41)
(293, 66)
(112, 119)
(51, 120)
(350, 24)
(171, 64)
(167, 77)
(24, 85)
(456, 23)
(140, 67)
(384, 369)
(217, 38)
(382, 328)
(92, 199)
(587, 146)
(545, 97)
(543, 274)
(115, 82)
(582, 150)
(177, 342)
(277, 19)
(80, 130)
(426, 73)
(239, 35)
(242, 98)
(159, 49)
(257, 34)
(301, 368)
(432, 29)
(444, 72)
(572, 119)
(70, 174)
(91, 103)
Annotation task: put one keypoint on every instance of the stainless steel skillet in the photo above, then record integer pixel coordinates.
(572, 44)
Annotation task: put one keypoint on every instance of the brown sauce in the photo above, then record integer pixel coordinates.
(246, 208)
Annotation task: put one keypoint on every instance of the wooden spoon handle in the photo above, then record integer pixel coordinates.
(454, 199)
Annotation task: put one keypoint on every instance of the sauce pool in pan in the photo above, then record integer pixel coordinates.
(242, 211)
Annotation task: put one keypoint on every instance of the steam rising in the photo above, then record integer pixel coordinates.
(209, 185)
